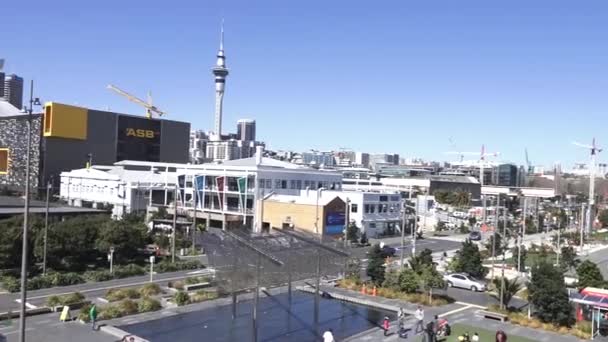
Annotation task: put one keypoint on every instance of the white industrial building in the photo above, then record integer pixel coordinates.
(374, 213)
(127, 186)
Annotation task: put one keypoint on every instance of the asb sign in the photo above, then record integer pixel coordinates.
(334, 223)
(138, 139)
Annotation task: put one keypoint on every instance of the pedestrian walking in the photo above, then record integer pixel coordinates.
(386, 325)
(401, 319)
(93, 315)
(419, 315)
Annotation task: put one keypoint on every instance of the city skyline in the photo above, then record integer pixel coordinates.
(413, 79)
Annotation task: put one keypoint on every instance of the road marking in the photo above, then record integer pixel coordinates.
(110, 287)
(455, 311)
(472, 305)
(28, 305)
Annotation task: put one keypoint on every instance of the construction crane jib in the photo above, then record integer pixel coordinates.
(150, 108)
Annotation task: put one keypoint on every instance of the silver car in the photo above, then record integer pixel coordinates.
(464, 281)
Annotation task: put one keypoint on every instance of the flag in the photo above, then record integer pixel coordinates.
(219, 184)
(199, 186)
(242, 184)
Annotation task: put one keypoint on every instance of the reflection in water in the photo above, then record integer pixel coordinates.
(276, 323)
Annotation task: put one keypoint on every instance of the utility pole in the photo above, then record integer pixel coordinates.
(194, 221)
(26, 212)
(582, 224)
(504, 231)
(415, 228)
(403, 232)
(521, 236)
(346, 221)
(494, 236)
(174, 225)
(46, 226)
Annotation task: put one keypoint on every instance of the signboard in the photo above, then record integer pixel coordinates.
(334, 223)
(138, 139)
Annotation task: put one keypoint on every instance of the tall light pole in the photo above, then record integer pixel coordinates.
(174, 224)
(521, 235)
(319, 190)
(26, 211)
(504, 231)
(346, 220)
(46, 225)
(594, 149)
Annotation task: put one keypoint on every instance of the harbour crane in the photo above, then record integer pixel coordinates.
(594, 150)
(150, 109)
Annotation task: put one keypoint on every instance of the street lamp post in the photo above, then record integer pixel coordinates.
(319, 190)
(346, 221)
(46, 226)
(174, 225)
(111, 259)
(26, 211)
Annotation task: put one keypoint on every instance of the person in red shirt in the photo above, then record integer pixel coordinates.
(386, 325)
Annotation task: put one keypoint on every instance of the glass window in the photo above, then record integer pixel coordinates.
(384, 208)
(306, 184)
(319, 185)
(383, 198)
(262, 183)
(277, 183)
(366, 208)
(372, 208)
(269, 184)
(395, 198)
(283, 184)
(299, 184)
(372, 225)
(354, 208)
(292, 184)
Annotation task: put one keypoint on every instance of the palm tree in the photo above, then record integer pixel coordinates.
(462, 198)
(511, 288)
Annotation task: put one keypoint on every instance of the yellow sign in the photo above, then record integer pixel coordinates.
(140, 133)
(65, 314)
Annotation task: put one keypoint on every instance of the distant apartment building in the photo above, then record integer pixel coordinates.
(318, 158)
(13, 90)
(198, 146)
(361, 159)
(245, 130)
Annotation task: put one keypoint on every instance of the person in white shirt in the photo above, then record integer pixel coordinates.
(419, 315)
(328, 336)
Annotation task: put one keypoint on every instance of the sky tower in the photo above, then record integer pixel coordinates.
(220, 72)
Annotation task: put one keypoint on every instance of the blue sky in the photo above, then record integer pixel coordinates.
(379, 76)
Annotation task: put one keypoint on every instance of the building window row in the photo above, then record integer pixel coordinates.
(379, 208)
(297, 184)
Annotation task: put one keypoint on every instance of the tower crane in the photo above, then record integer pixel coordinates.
(150, 109)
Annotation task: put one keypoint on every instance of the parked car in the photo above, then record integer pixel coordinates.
(464, 281)
(388, 250)
(475, 236)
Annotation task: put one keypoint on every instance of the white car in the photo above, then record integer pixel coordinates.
(464, 281)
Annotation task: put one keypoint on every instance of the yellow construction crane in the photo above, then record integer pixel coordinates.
(150, 109)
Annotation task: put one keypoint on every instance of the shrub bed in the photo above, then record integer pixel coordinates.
(202, 295)
(69, 299)
(181, 298)
(167, 266)
(147, 305)
(416, 298)
(11, 284)
(119, 294)
(149, 290)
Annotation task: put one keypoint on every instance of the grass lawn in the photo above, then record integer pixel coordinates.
(484, 335)
(531, 259)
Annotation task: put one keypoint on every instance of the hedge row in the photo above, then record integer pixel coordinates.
(124, 308)
(12, 284)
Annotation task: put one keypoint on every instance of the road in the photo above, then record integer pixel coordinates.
(91, 290)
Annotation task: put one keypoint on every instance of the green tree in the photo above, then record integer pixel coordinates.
(352, 232)
(603, 217)
(511, 287)
(472, 221)
(391, 280)
(375, 266)
(462, 198)
(160, 213)
(125, 236)
(364, 239)
(71, 243)
(468, 260)
(589, 275)
(430, 279)
(11, 233)
(500, 244)
(547, 292)
(353, 268)
(408, 280)
(522, 259)
(463, 229)
(567, 258)
(418, 262)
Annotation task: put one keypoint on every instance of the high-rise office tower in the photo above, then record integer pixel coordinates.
(220, 72)
(13, 90)
(1, 84)
(245, 130)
